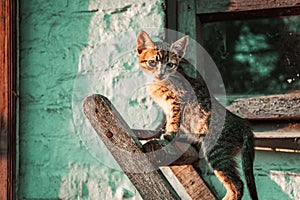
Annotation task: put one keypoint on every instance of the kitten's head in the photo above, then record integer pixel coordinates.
(159, 59)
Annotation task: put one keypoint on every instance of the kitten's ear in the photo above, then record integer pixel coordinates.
(143, 42)
(179, 47)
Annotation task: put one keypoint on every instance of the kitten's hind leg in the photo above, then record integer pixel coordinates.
(225, 168)
(233, 187)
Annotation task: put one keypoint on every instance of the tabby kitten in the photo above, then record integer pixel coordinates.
(193, 116)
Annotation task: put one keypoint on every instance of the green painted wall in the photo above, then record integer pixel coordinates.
(56, 161)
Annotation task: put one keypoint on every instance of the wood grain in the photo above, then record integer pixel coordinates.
(185, 173)
(208, 6)
(225, 10)
(186, 11)
(122, 144)
(279, 143)
(271, 107)
(8, 99)
(192, 182)
(187, 156)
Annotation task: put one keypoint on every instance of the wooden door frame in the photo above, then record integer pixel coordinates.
(8, 102)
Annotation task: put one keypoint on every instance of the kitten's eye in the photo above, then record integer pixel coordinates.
(151, 63)
(171, 65)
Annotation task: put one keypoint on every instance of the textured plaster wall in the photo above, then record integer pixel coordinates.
(61, 55)
(54, 162)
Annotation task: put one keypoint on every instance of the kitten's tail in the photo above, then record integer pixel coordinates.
(247, 163)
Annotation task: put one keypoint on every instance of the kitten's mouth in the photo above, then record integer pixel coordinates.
(160, 78)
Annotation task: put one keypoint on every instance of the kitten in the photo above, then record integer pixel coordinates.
(191, 112)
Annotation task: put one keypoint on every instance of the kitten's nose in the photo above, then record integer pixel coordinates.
(158, 76)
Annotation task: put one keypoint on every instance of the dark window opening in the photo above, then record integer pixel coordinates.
(256, 57)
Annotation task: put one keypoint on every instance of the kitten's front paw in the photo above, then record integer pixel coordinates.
(169, 136)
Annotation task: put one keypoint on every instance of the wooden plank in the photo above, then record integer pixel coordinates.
(146, 134)
(192, 182)
(270, 107)
(186, 24)
(278, 139)
(177, 154)
(184, 171)
(186, 13)
(249, 14)
(181, 191)
(242, 10)
(185, 174)
(125, 148)
(189, 24)
(276, 135)
(274, 119)
(291, 134)
(278, 143)
(208, 6)
(276, 129)
(8, 100)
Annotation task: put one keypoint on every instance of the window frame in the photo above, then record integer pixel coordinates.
(188, 17)
(8, 91)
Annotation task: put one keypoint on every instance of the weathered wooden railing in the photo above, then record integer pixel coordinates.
(145, 173)
(275, 119)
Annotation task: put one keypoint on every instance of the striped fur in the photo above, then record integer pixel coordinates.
(194, 116)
